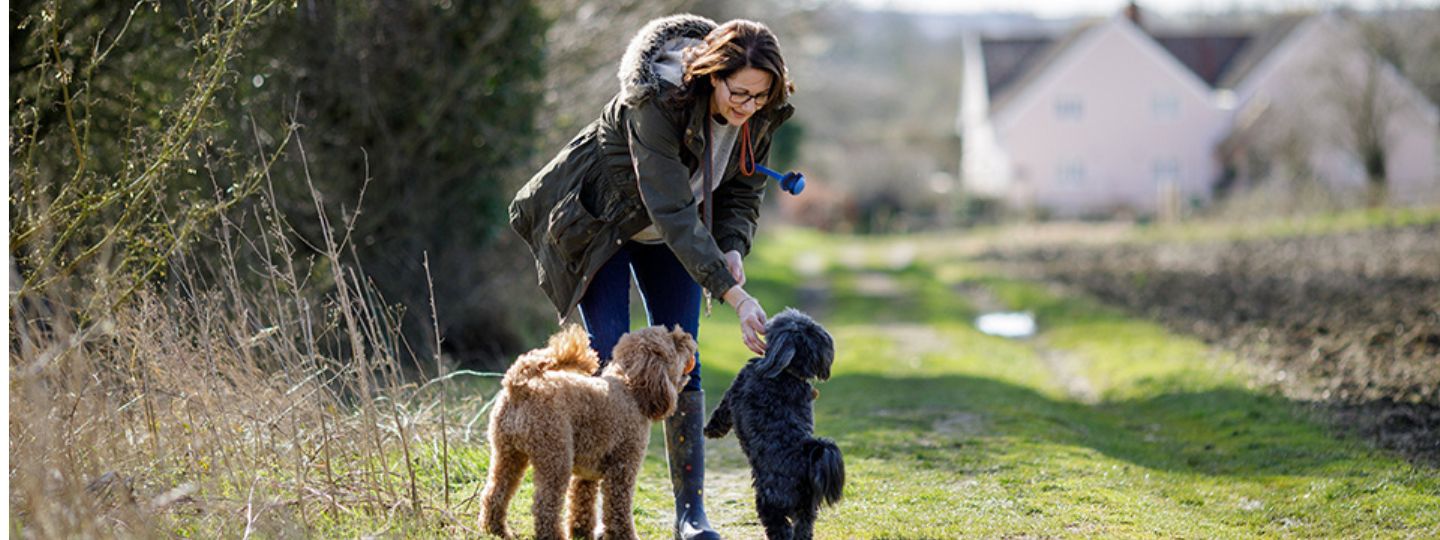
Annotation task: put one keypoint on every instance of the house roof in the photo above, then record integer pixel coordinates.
(1008, 60)
(1207, 55)
(1023, 60)
(1220, 58)
(1259, 46)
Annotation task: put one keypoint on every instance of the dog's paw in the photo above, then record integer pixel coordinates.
(499, 534)
(497, 531)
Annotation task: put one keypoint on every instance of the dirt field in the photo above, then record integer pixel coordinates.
(1350, 322)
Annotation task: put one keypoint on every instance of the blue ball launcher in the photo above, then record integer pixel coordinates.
(792, 182)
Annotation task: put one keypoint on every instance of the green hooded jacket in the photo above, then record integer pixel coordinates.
(631, 168)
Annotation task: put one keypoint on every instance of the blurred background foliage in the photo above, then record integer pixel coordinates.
(138, 127)
(416, 119)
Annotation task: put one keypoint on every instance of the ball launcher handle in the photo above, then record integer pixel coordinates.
(792, 182)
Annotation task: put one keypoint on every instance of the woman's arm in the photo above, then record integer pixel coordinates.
(737, 202)
(664, 184)
(737, 206)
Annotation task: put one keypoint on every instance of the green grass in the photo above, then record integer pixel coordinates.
(948, 433)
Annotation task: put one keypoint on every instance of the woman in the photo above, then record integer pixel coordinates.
(663, 187)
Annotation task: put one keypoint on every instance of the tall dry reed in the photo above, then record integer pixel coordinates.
(230, 400)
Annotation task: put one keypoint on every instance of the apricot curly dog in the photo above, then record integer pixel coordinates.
(554, 413)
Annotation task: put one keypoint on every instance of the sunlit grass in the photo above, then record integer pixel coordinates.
(949, 433)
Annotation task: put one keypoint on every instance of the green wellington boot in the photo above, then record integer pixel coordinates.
(685, 449)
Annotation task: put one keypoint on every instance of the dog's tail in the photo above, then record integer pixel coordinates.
(568, 350)
(827, 470)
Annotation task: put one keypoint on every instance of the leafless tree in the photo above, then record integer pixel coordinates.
(1367, 102)
(583, 49)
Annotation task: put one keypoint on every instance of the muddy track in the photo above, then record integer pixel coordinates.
(1350, 322)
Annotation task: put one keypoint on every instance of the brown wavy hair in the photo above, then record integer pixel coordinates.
(731, 47)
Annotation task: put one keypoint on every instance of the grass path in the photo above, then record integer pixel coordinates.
(1101, 426)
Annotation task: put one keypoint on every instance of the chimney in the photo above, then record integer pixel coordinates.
(1132, 12)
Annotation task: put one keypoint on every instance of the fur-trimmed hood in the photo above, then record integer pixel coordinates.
(654, 58)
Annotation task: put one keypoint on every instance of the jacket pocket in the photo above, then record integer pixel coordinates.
(572, 228)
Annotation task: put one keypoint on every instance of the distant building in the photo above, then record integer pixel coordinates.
(1109, 118)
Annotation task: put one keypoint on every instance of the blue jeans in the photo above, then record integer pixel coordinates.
(670, 297)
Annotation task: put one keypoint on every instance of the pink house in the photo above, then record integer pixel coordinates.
(1110, 118)
(1320, 98)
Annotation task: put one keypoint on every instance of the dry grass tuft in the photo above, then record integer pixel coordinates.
(238, 397)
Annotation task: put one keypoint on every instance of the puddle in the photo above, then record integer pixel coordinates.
(1008, 324)
(877, 284)
(901, 256)
(809, 264)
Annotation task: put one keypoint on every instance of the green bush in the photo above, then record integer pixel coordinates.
(137, 128)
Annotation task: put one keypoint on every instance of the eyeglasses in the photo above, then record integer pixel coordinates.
(741, 98)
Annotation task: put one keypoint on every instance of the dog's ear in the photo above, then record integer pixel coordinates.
(684, 345)
(825, 355)
(778, 354)
(646, 356)
(820, 351)
(653, 388)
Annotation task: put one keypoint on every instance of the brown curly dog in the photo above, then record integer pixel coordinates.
(555, 414)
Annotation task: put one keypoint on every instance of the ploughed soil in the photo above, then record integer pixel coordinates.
(1349, 321)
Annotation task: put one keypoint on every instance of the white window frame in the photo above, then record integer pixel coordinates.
(1071, 174)
(1069, 108)
(1165, 169)
(1165, 107)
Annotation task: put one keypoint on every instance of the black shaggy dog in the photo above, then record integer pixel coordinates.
(770, 405)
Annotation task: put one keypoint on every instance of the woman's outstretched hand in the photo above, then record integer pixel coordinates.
(752, 317)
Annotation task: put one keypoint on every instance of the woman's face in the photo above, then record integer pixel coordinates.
(738, 97)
